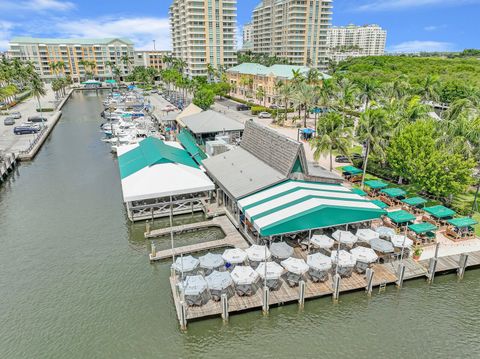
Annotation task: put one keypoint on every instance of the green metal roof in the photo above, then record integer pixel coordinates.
(424, 227)
(462, 222)
(440, 211)
(376, 184)
(295, 206)
(152, 151)
(401, 216)
(414, 201)
(83, 41)
(111, 81)
(394, 192)
(359, 192)
(187, 141)
(380, 204)
(351, 170)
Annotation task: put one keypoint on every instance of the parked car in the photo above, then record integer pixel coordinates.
(357, 156)
(273, 107)
(154, 91)
(24, 130)
(16, 115)
(243, 107)
(9, 121)
(264, 115)
(342, 159)
(36, 119)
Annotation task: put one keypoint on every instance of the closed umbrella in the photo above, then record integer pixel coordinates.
(185, 264)
(271, 271)
(321, 241)
(220, 283)
(366, 235)
(211, 261)
(245, 279)
(234, 256)
(345, 237)
(281, 250)
(382, 245)
(296, 269)
(319, 265)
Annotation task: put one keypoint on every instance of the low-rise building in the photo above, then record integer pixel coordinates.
(82, 58)
(154, 59)
(248, 78)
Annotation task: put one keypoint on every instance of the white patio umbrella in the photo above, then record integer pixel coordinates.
(385, 231)
(319, 262)
(322, 241)
(345, 259)
(281, 250)
(185, 264)
(219, 283)
(295, 265)
(274, 270)
(234, 256)
(195, 290)
(244, 275)
(345, 237)
(211, 261)
(366, 235)
(257, 253)
(397, 241)
(364, 255)
(382, 245)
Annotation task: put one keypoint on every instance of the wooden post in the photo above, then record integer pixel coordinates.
(433, 265)
(183, 316)
(147, 227)
(336, 287)
(301, 299)
(401, 275)
(369, 273)
(224, 300)
(462, 265)
(153, 251)
(266, 300)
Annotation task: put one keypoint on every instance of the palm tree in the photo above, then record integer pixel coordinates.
(429, 88)
(53, 68)
(110, 65)
(305, 97)
(37, 88)
(373, 130)
(211, 73)
(246, 82)
(368, 89)
(332, 134)
(260, 95)
(285, 91)
(126, 61)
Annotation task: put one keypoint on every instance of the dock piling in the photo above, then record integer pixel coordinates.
(183, 315)
(147, 227)
(401, 275)
(462, 265)
(266, 300)
(369, 273)
(224, 300)
(301, 297)
(336, 287)
(433, 265)
(153, 250)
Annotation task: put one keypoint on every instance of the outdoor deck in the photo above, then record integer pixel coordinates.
(232, 238)
(384, 274)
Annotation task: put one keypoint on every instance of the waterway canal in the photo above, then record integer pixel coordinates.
(75, 281)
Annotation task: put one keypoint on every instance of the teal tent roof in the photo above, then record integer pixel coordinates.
(152, 151)
(110, 81)
(462, 222)
(359, 192)
(401, 216)
(380, 204)
(394, 192)
(414, 201)
(91, 82)
(295, 206)
(440, 211)
(187, 141)
(376, 184)
(424, 227)
(351, 170)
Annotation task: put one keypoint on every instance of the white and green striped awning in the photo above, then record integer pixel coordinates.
(295, 206)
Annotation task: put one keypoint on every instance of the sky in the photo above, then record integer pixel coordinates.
(412, 25)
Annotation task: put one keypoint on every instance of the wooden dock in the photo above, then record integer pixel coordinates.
(232, 238)
(7, 164)
(384, 274)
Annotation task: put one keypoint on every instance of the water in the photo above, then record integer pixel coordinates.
(75, 281)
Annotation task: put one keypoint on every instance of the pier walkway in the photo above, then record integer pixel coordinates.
(232, 238)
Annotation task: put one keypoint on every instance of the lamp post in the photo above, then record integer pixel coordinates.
(475, 204)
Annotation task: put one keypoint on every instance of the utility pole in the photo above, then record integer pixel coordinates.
(154, 45)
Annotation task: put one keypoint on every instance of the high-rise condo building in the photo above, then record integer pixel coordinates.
(293, 29)
(152, 58)
(204, 33)
(354, 41)
(247, 37)
(81, 57)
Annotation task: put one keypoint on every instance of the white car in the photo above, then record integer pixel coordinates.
(264, 115)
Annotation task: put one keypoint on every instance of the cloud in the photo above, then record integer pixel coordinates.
(5, 34)
(387, 5)
(37, 5)
(422, 46)
(141, 30)
(434, 27)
